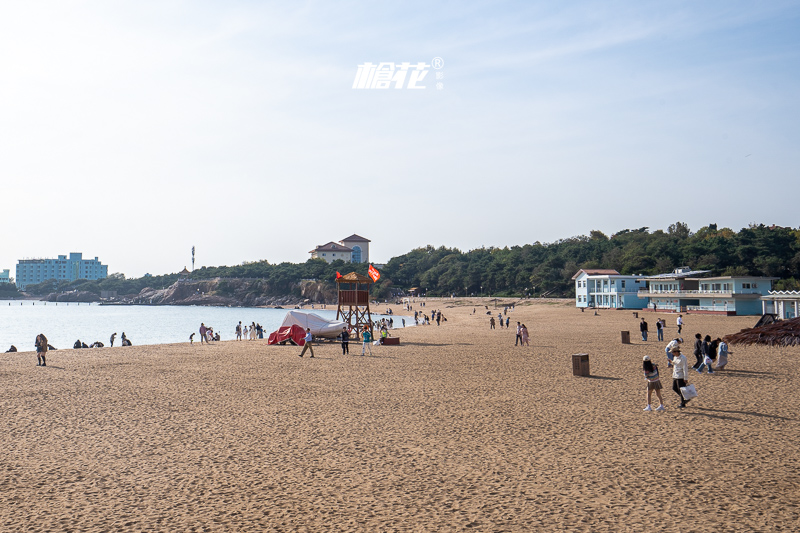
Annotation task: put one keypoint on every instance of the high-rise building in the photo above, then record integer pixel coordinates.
(32, 271)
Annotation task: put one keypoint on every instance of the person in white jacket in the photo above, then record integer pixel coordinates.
(674, 343)
(680, 371)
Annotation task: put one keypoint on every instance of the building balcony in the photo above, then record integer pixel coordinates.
(622, 292)
(746, 293)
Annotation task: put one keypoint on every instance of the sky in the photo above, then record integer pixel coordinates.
(132, 131)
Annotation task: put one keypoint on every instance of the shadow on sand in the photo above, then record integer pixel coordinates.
(708, 412)
(607, 378)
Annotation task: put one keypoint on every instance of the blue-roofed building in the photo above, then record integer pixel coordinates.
(685, 291)
(607, 289)
(33, 271)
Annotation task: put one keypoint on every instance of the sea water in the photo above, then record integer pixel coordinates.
(64, 323)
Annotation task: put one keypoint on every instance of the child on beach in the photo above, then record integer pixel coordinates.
(653, 383)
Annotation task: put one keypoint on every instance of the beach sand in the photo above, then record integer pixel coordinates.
(456, 429)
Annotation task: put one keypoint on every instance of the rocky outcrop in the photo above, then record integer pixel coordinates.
(72, 296)
(235, 292)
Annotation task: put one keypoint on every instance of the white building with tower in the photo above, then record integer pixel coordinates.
(353, 249)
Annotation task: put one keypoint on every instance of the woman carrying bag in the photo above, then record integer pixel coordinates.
(680, 371)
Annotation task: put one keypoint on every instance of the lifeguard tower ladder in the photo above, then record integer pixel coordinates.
(353, 305)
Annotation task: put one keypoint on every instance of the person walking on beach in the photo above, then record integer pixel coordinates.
(307, 344)
(660, 330)
(491, 323)
(345, 342)
(722, 354)
(111, 341)
(518, 339)
(239, 331)
(643, 329)
(524, 335)
(203, 330)
(366, 341)
(653, 383)
(698, 350)
(680, 323)
(41, 350)
(706, 350)
(680, 372)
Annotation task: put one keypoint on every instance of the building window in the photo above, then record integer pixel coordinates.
(356, 256)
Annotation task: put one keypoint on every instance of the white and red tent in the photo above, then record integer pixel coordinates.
(320, 327)
(294, 334)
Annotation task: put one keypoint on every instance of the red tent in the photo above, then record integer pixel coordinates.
(293, 334)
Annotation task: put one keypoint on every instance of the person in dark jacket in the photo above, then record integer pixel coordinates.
(705, 349)
(698, 350)
(345, 341)
(643, 329)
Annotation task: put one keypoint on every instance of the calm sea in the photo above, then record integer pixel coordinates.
(64, 323)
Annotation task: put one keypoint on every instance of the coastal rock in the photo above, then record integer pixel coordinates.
(72, 296)
(235, 293)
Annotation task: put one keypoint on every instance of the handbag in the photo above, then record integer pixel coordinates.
(688, 392)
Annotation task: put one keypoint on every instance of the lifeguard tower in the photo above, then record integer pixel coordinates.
(353, 305)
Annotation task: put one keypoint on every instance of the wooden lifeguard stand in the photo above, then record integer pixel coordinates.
(354, 301)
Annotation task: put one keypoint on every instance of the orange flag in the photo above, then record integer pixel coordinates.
(338, 275)
(373, 273)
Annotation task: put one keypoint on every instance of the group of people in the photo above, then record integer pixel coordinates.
(522, 335)
(706, 352)
(207, 335)
(365, 334)
(254, 331)
(420, 317)
(661, 325)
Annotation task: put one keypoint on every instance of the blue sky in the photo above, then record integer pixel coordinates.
(133, 131)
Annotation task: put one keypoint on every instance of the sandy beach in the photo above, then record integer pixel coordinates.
(456, 429)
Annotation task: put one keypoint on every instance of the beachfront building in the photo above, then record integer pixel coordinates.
(332, 252)
(32, 271)
(605, 288)
(685, 291)
(353, 249)
(5, 276)
(783, 304)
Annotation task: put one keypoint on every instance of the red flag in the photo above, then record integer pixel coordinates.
(338, 275)
(373, 273)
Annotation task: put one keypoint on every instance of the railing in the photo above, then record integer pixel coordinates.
(708, 308)
(623, 291)
(675, 291)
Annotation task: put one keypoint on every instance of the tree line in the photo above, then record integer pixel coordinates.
(538, 269)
